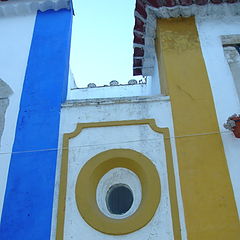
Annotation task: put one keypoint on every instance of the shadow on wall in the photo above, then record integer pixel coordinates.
(5, 92)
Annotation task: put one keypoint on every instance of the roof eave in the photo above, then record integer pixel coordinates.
(146, 13)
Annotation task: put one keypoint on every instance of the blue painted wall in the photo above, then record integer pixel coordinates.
(28, 200)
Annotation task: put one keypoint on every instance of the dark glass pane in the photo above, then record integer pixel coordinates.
(119, 199)
(237, 46)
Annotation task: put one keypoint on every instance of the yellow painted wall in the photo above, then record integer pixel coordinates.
(209, 205)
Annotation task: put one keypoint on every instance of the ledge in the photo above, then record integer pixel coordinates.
(109, 101)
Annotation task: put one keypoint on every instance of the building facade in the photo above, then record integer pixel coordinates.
(149, 160)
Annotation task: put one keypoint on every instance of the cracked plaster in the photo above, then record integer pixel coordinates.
(5, 92)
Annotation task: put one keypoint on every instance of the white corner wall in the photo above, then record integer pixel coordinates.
(210, 30)
(15, 41)
(154, 80)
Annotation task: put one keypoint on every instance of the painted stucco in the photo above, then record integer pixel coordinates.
(13, 62)
(210, 30)
(32, 119)
(30, 185)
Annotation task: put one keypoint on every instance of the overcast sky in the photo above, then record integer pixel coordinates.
(102, 41)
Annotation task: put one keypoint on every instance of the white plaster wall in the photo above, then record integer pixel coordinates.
(15, 40)
(224, 91)
(140, 138)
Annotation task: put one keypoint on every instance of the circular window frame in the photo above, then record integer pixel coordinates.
(119, 176)
(92, 172)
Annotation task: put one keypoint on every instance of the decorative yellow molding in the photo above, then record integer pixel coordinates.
(64, 172)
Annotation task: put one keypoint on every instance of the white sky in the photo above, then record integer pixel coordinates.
(102, 41)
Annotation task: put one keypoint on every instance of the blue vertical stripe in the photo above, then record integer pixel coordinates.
(27, 209)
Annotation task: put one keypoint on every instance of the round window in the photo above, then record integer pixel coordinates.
(110, 178)
(119, 199)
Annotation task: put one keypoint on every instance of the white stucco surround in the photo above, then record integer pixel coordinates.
(95, 140)
(114, 177)
(15, 41)
(210, 30)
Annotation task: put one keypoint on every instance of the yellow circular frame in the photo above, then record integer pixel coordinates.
(92, 172)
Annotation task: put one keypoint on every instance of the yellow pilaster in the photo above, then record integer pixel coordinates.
(209, 205)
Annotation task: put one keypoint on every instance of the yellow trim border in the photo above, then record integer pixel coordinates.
(64, 170)
(93, 171)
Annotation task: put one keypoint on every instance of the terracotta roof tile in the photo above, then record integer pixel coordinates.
(141, 9)
(138, 38)
(138, 62)
(138, 52)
